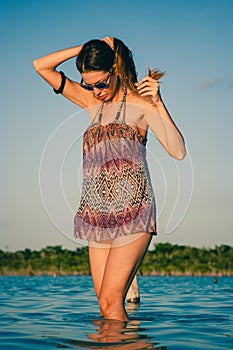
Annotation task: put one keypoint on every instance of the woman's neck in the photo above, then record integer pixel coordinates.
(117, 97)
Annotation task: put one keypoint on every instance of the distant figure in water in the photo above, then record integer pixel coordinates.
(215, 280)
(117, 211)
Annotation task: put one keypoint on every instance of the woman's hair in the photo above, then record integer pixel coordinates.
(125, 66)
(97, 55)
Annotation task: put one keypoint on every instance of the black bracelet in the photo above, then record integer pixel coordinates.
(63, 81)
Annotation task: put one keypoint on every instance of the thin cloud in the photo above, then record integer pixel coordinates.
(210, 84)
(214, 83)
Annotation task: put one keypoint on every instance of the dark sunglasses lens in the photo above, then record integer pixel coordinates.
(87, 87)
(101, 86)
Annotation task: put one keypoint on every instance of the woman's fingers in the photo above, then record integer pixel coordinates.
(110, 41)
(151, 93)
(148, 79)
(148, 87)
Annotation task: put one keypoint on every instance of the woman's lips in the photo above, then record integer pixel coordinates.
(101, 97)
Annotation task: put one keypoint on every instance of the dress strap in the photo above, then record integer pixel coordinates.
(123, 103)
(100, 110)
(124, 111)
(99, 114)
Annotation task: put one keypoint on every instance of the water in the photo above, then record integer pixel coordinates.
(62, 312)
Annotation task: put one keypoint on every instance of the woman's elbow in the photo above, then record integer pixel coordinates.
(177, 152)
(36, 65)
(180, 154)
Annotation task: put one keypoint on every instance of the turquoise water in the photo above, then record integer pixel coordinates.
(62, 312)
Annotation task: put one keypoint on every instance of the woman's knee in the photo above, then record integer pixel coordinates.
(109, 300)
(104, 303)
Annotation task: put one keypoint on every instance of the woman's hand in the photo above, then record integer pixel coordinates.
(149, 86)
(110, 41)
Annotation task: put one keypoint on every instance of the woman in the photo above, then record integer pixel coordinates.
(117, 209)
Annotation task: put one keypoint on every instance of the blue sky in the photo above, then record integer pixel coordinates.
(191, 40)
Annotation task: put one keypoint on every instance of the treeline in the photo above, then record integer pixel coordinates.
(175, 260)
(164, 259)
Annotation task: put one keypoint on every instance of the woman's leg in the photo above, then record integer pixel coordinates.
(118, 265)
(98, 257)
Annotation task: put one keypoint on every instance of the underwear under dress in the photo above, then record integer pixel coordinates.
(117, 196)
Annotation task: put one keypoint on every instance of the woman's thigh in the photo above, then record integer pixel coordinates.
(122, 264)
(98, 257)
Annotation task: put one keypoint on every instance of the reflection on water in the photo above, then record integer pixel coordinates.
(117, 335)
(176, 313)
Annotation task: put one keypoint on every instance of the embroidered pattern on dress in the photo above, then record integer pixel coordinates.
(117, 197)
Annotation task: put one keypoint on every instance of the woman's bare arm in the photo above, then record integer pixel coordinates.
(159, 119)
(166, 131)
(46, 68)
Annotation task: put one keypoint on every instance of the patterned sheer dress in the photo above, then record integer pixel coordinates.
(117, 196)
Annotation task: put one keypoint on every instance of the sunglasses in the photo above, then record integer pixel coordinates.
(101, 85)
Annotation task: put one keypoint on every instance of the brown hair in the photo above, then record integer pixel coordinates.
(155, 73)
(125, 66)
(97, 55)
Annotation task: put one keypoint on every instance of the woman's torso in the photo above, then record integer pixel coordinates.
(133, 116)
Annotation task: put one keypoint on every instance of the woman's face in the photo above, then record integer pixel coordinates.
(102, 84)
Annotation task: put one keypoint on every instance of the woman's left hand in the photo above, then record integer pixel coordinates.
(109, 40)
(148, 86)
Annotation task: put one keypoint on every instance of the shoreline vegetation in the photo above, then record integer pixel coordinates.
(164, 260)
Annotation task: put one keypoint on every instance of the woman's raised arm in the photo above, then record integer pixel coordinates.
(46, 68)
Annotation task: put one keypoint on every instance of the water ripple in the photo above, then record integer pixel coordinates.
(175, 313)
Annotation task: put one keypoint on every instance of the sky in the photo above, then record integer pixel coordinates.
(41, 133)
